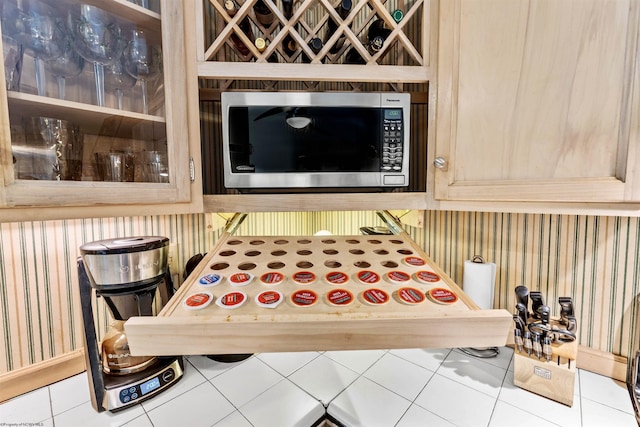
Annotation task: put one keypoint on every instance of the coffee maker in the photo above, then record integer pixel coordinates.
(126, 273)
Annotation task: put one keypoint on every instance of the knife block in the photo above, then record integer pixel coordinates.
(554, 379)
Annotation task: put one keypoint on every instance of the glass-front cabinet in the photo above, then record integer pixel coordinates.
(94, 107)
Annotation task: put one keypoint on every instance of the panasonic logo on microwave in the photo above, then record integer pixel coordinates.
(391, 100)
(245, 168)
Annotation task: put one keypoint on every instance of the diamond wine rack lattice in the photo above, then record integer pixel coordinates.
(334, 40)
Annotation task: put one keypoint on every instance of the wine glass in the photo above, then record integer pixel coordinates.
(36, 29)
(119, 80)
(143, 61)
(97, 37)
(68, 64)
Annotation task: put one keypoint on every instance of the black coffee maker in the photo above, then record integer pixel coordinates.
(126, 273)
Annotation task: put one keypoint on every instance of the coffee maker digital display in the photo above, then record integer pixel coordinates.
(127, 273)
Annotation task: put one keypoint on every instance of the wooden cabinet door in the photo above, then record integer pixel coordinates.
(538, 101)
(164, 135)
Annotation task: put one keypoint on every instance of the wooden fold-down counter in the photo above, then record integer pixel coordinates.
(343, 316)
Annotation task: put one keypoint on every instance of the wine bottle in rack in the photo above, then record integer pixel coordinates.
(343, 10)
(289, 45)
(245, 26)
(377, 29)
(263, 14)
(354, 57)
(316, 46)
(261, 45)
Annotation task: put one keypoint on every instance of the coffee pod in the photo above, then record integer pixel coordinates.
(197, 301)
(272, 278)
(232, 300)
(304, 298)
(240, 279)
(210, 279)
(269, 299)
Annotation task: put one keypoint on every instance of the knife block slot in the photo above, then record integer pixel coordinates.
(553, 379)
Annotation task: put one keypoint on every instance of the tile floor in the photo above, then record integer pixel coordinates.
(402, 388)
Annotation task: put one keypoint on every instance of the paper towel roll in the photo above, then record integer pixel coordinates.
(478, 282)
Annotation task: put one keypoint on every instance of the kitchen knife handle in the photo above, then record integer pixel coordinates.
(536, 302)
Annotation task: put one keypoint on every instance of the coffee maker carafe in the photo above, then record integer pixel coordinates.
(127, 274)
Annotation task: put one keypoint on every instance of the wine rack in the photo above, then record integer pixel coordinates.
(344, 55)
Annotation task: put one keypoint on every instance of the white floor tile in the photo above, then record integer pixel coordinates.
(202, 406)
(287, 363)
(366, 404)
(284, 404)
(605, 390)
(398, 375)
(141, 421)
(84, 415)
(211, 368)
(540, 406)
(191, 378)
(235, 419)
(420, 417)
(427, 358)
(69, 393)
(246, 381)
(356, 360)
(473, 372)
(455, 402)
(505, 415)
(323, 378)
(502, 360)
(595, 414)
(31, 407)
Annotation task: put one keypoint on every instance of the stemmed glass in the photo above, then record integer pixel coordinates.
(116, 78)
(97, 37)
(143, 61)
(37, 31)
(68, 64)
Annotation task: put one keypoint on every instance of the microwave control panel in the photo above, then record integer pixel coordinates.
(392, 141)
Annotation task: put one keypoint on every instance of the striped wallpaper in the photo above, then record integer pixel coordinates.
(596, 260)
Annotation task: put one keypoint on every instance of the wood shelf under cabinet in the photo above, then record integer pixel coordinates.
(322, 325)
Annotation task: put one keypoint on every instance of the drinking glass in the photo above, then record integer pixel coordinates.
(97, 37)
(143, 61)
(12, 51)
(68, 64)
(36, 29)
(116, 78)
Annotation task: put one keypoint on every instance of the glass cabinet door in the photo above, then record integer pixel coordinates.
(84, 106)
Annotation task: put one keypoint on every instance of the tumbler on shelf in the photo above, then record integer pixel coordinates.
(153, 166)
(115, 166)
(52, 149)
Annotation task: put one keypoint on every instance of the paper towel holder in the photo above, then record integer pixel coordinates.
(483, 353)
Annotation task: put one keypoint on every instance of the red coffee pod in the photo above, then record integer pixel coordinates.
(426, 276)
(398, 277)
(304, 298)
(272, 278)
(442, 296)
(414, 261)
(339, 297)
(368, 277)
(197, 301)
(232, 299)
(336, 278)
(375, 296)
(240, 279)
(410, 296)
(269, 299)
(304, 277)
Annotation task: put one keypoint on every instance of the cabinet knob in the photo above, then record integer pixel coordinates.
(440, 162)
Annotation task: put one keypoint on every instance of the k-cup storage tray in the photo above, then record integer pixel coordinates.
(332, 293)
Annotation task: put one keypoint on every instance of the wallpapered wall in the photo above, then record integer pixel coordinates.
(596, 260)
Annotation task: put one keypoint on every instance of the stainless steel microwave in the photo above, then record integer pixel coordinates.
(293, 140)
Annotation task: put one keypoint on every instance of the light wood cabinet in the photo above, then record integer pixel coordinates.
(538, 101)
(167, 128)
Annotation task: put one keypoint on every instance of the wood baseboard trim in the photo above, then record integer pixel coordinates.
(29, 378)
(603, 363)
